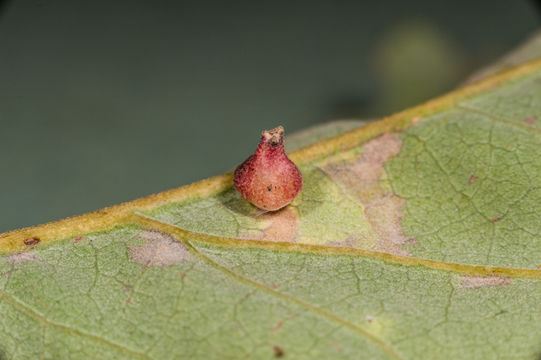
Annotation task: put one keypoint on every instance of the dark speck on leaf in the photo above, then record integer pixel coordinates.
(269, 188)
(278, 351)
(31, 241)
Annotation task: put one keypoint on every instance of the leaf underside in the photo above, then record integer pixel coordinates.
(420, 242)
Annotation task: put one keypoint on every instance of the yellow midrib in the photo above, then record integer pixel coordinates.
(120, 214)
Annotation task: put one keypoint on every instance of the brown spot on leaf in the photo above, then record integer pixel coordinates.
(78, 239)
(31, 241)
(474, 282)
(529, 120)
(495, 218)
(416, 119)
(22, 257)
(360, 179)
(160, 249)
(278, 351)
(278, 326)
(473, 179)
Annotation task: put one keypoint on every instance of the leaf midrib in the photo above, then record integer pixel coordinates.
(109, 217)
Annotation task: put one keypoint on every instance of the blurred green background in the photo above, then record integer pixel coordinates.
(107, 101)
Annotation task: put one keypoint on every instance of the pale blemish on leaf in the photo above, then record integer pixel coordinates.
(474, 282)
(160, 249)
(20, 258)
(376, 153)
(353, 241)
(377, 325)
(385, 216)
(280, 225)
(361, 179)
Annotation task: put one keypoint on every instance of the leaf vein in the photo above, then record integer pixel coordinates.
(22, 307)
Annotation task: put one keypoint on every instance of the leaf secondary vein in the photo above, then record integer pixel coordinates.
(22, 307)
(464, 269)
(497, 118)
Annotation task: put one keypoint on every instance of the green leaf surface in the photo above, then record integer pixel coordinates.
(320, 132)
(415, 237)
